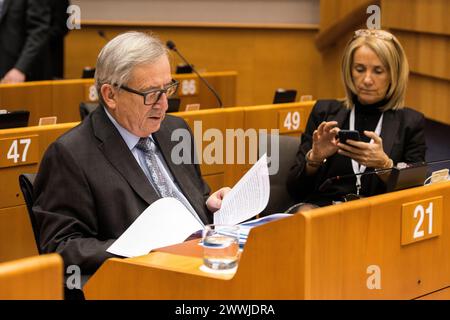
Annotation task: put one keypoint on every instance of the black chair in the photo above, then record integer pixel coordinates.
(280, 198)
(86, 108)
(183, 68)
(88, 73)
(174, 104)
(26, 181)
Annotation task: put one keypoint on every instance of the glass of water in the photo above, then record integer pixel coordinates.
(220, 246)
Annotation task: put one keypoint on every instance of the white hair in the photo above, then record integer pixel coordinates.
(119, 56)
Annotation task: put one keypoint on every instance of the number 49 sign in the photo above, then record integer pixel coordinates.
(421, 220)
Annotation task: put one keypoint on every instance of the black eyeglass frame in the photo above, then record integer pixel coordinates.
(174, 84)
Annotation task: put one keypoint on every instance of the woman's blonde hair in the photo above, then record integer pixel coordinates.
(392, 56)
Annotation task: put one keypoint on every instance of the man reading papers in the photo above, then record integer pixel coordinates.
(96, 179)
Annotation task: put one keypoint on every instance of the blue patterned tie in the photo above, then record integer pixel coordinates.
(159, 180)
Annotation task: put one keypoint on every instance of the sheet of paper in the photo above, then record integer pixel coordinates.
(165, 222)
(248, 197)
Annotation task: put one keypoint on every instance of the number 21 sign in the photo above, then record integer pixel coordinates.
(421, 220)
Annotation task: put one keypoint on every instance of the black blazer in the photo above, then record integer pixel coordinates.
(403, 135)
(24, 34)
(90, 188)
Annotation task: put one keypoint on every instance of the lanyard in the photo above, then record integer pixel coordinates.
(357, 169)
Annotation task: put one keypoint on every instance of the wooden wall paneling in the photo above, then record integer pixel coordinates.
(35, 98)
(417, 15)
(430, 96)
(265, 59)
(428, 54)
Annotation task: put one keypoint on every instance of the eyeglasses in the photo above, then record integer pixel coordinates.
(380, 34)
(151, 97)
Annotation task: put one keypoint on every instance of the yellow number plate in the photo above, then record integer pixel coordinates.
(19, 151)
(291, 120)
(421, 220)
(188, 87)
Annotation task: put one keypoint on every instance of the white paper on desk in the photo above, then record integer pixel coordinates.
(248, 197)
(165, 222)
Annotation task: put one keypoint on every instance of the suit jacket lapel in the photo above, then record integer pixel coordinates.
(340, 117)
(4, 9)
(117, 152)
(163, 140)
(389, 130)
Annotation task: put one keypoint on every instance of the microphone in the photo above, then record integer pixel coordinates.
(171, 45)
(328, 182)
(395, 181)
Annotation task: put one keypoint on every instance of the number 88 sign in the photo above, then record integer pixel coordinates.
(421, 220)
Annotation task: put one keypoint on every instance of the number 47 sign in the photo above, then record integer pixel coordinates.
(18, 151)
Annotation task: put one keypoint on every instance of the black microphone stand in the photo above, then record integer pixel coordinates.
(172, 47)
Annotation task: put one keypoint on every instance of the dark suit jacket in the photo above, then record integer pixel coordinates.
(24, 33)
(58, 30)
(403, 135)
(90, 188)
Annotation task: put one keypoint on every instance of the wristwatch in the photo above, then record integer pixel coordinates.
(312, 163)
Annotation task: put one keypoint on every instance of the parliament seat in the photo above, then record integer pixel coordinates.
(280, 199)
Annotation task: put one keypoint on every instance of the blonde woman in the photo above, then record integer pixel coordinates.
(375, 74)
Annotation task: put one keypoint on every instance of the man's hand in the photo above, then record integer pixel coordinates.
(214, 201)
(13, 76)
(370, 155)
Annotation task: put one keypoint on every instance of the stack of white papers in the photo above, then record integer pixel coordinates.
(167, 221)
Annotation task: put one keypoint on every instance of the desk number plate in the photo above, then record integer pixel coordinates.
(290, 120)
(421, 220)
(19, 151)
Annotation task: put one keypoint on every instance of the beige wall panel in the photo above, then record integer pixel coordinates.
(242, 11)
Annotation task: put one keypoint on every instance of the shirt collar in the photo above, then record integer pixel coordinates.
(130, 139)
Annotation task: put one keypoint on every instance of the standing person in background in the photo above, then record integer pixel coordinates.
(58, 30)
(24, 35)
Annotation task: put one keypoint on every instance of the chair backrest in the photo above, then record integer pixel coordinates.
(86, 108)
(26, 181)
(174, 104)
(280, 198)
(37, 277)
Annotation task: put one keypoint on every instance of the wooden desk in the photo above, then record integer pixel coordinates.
(34, 278)
(16, 237)
(62, 98)
(327, 253)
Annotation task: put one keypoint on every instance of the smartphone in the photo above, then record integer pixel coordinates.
(348, 134)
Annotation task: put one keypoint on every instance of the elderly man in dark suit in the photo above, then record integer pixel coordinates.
(24, 35)
(96, 179)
